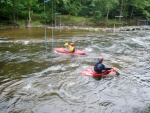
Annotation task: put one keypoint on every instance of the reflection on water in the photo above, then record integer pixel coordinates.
(33, 80)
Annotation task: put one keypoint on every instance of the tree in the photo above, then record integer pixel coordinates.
(14, 10)
(5, 10)
(103, 8)
(142, 6)
(110, 4)
(72, 6)
(29, 15)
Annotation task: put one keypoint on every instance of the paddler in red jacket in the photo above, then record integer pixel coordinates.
(70, 47)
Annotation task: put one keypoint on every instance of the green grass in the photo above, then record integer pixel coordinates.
(38, 19)
(36, 23)
(65, 19)
(21, 23)
(74, 19)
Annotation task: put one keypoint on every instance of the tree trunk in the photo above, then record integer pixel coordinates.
(29, 16)
(131, 13)
(122, 3)
(107, 16)
(13, 11)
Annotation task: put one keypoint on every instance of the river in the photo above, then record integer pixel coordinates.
(33, 80)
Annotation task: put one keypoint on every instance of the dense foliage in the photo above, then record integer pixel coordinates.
(14, 10)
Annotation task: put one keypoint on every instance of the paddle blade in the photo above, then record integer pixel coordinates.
(117, 73)
(66, 44)
(115, 70)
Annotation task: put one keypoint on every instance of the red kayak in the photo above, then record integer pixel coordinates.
(62, 50)
(92, 73)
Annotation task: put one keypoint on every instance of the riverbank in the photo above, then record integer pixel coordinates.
(104, 28)
(82, 25)
(89, 28)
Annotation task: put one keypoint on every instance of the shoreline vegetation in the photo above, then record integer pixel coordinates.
(80, 23)
(87, 28)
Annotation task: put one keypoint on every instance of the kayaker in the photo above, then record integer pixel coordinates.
(99, 66)
(70, 47)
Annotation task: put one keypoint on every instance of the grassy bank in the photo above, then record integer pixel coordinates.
(65, 20)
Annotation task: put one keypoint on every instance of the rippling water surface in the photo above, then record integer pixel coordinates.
(35, 81)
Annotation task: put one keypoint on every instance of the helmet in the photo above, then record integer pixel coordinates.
(101, 58)
(71, 44)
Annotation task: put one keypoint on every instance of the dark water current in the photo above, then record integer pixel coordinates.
(35, 81)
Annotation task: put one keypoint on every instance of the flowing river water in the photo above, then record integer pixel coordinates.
(35, 81)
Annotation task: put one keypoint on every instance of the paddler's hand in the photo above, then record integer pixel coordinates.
(66, 44)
